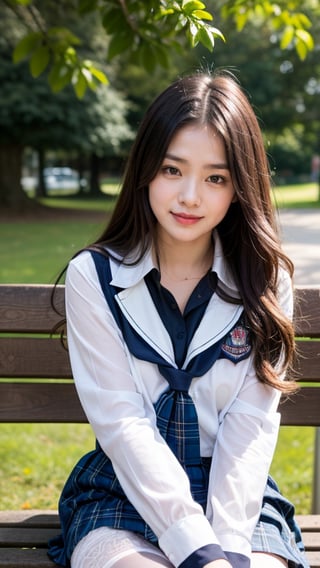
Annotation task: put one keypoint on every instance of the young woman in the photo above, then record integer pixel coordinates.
(180, 334)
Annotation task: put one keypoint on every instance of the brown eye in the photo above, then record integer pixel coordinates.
(216, 179)
(170, 170)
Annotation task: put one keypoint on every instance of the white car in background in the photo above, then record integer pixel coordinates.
(61, 178)
(56, 179)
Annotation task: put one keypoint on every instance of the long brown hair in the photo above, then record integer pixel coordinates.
(248, 232)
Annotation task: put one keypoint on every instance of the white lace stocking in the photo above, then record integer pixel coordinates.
(111, 548)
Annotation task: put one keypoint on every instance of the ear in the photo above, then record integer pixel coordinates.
(235, 198)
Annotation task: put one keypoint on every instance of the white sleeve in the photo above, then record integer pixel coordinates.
(244, 449)
(149, 473)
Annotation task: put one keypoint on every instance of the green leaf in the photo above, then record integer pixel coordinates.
(119, 43)
(88, 77)
(114, 21)
(59, 76)
(205, 37)
(192, 5)
(164, 12)
(192, 33)
(39, 60)
(287, 37)
(306, 38)
(79, 83)
(99, 75)
(25, 46)
(147, 57)
(201, 15)
(241, 20)
(70, 57)
(301, 50)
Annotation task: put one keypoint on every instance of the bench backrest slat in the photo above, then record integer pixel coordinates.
(26, 357)
(28, 309)
(41, 402)
(307, 366)
(307, 312)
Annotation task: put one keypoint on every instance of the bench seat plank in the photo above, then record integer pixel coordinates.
(309, 522)
(26, 537)
(312, 557)
(37, 558)
(25, 558)
(30, 518)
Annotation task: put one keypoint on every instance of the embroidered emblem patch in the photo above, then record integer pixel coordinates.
(236, 345)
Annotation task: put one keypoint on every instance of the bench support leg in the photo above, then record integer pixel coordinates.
(316, 474)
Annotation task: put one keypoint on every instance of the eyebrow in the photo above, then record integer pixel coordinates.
(220, 166)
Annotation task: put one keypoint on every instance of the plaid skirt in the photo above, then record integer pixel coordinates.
(93, 497)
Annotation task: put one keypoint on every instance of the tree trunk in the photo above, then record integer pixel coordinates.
(41, 186)
(95, 189)
(81, 159)
(12, 197)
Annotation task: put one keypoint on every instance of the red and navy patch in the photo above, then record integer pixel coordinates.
(237, 345)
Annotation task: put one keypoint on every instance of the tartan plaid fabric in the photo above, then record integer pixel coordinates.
(178, 423)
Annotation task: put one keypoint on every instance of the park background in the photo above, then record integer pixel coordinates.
(41, 229)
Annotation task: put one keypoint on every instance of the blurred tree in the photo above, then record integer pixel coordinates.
(31, 115)
(284, 89)
(99, 28)
(148, 31)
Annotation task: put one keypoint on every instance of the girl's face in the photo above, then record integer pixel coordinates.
(192, 191)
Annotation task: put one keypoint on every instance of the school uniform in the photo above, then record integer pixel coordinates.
(185, 431)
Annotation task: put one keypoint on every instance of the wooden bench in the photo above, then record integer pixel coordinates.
(29, 353)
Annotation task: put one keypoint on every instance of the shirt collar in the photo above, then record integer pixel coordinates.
(221, 267)
(127, 275)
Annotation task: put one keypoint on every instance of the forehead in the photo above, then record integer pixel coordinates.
(197, 141)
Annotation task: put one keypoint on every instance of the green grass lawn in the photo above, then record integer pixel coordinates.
(297, 196)
(35, 459)
(36, 252)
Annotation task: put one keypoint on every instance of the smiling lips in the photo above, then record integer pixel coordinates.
(185, 219)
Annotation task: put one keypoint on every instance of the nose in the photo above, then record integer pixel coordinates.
(189, 192)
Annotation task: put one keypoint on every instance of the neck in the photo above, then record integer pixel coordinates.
(184, 263)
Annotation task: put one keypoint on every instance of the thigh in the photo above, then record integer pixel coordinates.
(263, 560)
(111, 548)
(142, 560)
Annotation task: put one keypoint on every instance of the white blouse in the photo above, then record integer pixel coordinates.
(238, 418)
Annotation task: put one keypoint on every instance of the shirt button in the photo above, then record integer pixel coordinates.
(180, 335)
